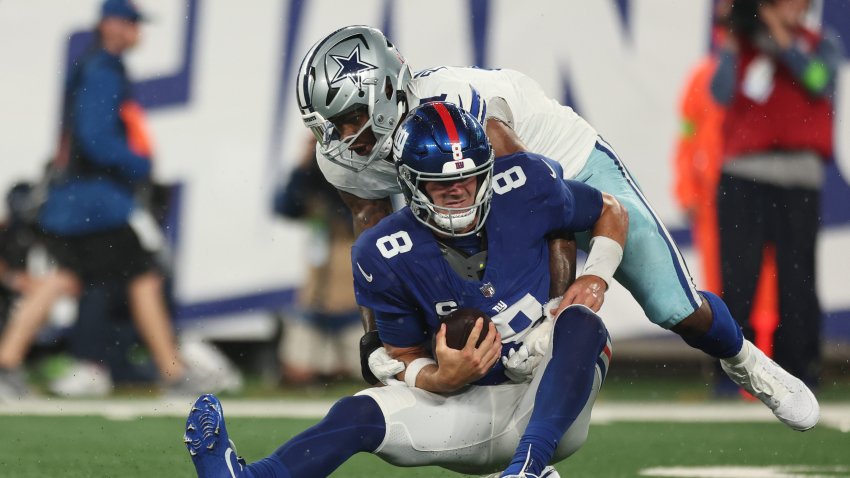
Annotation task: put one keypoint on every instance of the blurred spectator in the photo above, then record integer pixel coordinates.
(102, 344)
(101, 351)
(697, 165)
(95, 225)
(776, 78)
(28, 298)
(321, 337)
(16, 237)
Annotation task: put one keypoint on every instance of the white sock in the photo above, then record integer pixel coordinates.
(741, 356)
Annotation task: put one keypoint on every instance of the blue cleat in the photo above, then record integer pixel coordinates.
(548, 472)
(213, 454)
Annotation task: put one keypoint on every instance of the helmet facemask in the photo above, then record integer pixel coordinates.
(451, 221)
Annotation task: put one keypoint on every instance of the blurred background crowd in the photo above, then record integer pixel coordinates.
(166, 228)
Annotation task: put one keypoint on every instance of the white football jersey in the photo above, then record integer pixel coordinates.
(544, 126)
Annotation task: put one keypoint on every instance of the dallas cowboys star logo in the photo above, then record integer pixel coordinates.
(350, 66)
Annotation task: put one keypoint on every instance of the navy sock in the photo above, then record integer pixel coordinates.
(567, 381)
(269, 467)
(352, 425)
(724, 339)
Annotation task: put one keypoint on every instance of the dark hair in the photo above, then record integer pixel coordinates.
(744, 19)
(19, 202)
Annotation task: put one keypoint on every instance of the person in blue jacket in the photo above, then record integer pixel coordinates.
(94, 215)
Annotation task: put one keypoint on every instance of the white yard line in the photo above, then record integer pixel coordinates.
(834, 415)
(733, 471)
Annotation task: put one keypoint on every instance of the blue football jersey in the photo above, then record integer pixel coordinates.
(400, 271)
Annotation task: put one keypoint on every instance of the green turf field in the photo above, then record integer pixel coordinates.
(151, 447)
(636, 432)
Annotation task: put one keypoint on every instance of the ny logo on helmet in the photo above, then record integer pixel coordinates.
(398, 148)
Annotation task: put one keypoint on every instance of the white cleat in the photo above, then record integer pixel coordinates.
(787, 396)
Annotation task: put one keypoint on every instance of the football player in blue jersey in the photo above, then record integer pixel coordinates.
(474, 235)
(353, 89)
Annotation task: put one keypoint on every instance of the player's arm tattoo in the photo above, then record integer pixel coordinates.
(366, 212)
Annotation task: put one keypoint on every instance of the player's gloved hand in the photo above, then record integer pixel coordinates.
(382, 366)
(518, 367)
(370, 343)
(540, 337)
(521, 363)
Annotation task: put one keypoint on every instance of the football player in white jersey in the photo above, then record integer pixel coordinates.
(467, 240)
(353, 89)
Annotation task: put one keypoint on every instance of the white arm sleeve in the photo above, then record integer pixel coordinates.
(498, 108)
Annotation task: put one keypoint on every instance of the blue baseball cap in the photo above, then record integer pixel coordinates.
(125, 9)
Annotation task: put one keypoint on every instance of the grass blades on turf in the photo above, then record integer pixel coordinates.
(84, 447)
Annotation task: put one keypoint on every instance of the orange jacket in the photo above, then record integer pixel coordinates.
(697, 164)
(700, 146)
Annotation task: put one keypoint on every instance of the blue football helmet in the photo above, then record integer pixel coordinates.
(439, 141)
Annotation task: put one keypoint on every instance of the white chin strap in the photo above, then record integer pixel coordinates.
(455, 222)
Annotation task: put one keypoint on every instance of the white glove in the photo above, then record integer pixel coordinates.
(540, 337)
(519, 366)
(521, 363)
(383, 366)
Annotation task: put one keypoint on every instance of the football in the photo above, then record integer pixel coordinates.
(459, 325)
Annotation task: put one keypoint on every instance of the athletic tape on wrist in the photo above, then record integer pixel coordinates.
(603, 259)
(413, 369)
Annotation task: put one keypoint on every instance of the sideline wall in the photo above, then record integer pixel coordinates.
(217, 78)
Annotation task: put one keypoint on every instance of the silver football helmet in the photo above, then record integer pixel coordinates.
(354, 67)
